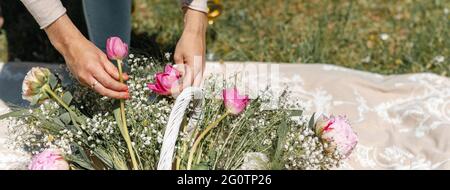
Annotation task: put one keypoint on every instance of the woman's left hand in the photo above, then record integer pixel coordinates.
(190, 50)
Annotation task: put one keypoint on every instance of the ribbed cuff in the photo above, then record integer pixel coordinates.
(45, 12)
(199, 5)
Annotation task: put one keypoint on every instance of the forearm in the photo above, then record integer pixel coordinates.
(63, 33)
(195, 22)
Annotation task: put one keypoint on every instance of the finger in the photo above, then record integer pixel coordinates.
(125, 76)
(179, 64)
(107, 92)
(198, 65)
(113, 71)
(85, 79)
(180, 68)
(188, 77)
(198, 79)
(177, 90)
(108, 82)
(178, 59)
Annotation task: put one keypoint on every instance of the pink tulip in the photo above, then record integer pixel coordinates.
(116, 49)
(234, 102)
(48, 160)
(338, 133)
(35, 79)
(166, 82)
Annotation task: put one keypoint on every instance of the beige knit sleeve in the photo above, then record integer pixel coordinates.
(199, 5)
(45, 11)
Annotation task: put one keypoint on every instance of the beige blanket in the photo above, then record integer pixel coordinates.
(403, 121)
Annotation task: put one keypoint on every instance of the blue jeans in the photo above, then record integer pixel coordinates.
(107, 18)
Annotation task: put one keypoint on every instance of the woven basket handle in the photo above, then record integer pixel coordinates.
(173, 125)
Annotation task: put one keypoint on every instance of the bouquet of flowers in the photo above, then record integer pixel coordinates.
(71, 127)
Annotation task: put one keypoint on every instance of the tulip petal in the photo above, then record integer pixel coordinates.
(234, 102)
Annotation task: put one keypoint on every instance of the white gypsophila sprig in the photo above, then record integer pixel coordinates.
(28, 133)
(304, 151)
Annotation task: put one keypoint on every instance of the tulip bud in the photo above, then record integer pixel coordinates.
(35, 79)
(234, 102)
(166, 82)
(116, 49)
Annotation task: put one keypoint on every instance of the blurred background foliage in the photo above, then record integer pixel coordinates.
(382, 36)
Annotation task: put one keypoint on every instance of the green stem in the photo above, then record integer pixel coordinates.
(202, 135)
(52, 94)
(47, 89)
(221, 149)
(183, 150)
(125, 134)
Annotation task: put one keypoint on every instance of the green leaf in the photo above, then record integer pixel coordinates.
(67, 98)
(18, 113)
(104, 157)
(77, 119)
(118, 119)
(52, 80)
(296, 112)
(281, 134)
(79, 161)
(59, 122)
(65, 117)
(212, 155)
(82, 153)
(118, 161)
(311, 121)
(200, 167)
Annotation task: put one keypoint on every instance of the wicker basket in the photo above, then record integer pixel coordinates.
(175, 119)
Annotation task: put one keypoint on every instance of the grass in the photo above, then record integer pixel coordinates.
(342, 32)
(382, 36)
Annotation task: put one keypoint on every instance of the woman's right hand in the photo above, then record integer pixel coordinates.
(85, 61)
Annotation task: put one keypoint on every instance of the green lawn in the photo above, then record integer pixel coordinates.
(382, 36)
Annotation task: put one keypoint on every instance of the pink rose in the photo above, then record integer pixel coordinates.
(48, 160)
(338, 133)
(116, 49)
(166, 82)
(234, 102)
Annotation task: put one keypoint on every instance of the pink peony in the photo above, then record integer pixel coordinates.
(48, 160)
(234, 102)
(116, 49)
(338, 133)
(166, 82)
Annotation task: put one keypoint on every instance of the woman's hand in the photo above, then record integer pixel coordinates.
(85, 61)
(191, 47)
